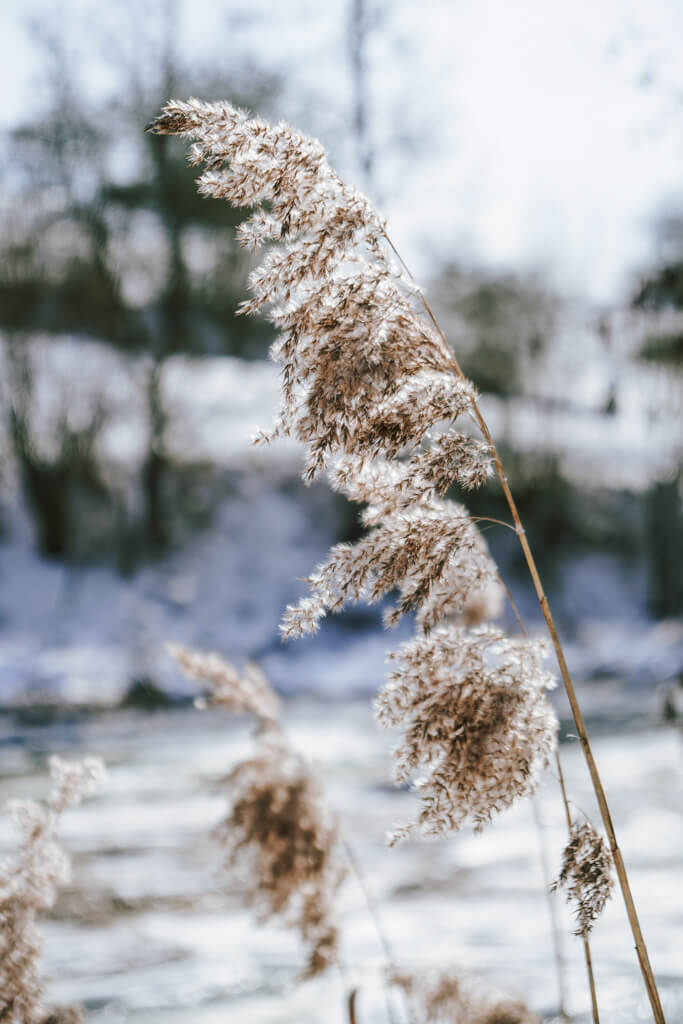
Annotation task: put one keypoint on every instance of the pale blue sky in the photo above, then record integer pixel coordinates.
(550, 135)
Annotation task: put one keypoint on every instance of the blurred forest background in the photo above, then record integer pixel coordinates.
(530, 160)
(133, 510)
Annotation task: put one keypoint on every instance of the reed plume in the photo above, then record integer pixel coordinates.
(365, 379)
(586, 875)
(279, 838)
(475, 719)
(446, 997)
(28, 887)
(247, 691)
(372, 389)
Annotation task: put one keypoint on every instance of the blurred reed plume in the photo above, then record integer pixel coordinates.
(445, 997)
(279, 836)
(281, 839)
(372, 389)
(248, 691)
(28, 887)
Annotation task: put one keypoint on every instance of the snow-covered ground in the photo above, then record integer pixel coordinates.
(149, 932)
(153, 936)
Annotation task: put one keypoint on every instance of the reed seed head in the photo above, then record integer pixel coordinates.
(248, 691)
(477, 728)
(586, 876)
(371, 388)
(29, 884)
(447, 997)
(280, 839)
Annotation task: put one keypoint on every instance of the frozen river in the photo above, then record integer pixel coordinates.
(149, 933)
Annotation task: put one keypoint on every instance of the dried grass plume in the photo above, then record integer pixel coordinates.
(476, 723)
(28, 887)
(246, 691)
(279, 837)
(446, 997)
(586, 876)
(373, 391)
(281, 840)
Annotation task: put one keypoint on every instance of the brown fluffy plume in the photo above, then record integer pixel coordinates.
(586, 876)
(475, 722)
(279, 837)
(247, 691)
(373, 391)
(363, 372)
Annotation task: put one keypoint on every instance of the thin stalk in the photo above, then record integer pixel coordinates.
(374, 914)
(350, 992)
(371, 904)
(513, 605)
(568, 815)
(586, 944)
(497, 522)
(591, 981)
(552, 912)
(351, 1006)
(641, 948)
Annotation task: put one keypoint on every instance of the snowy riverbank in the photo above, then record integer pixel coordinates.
(149, 934)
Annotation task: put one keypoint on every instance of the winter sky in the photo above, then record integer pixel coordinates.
(531, 134)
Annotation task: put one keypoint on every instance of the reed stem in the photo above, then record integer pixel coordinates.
(591, 981)
(374, 914)
(539, 826)
(620, 868)
(552, 912)
(351, 1006)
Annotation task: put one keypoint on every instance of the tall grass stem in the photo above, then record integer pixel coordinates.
(620, 868)
(374, 914)
(552, 911)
